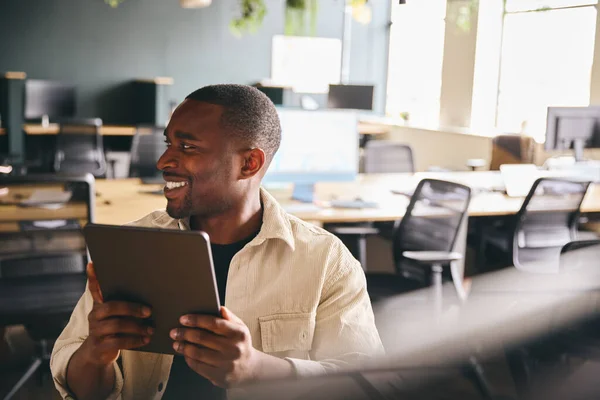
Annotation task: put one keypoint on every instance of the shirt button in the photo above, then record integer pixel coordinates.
(303, 335)
(160, 387)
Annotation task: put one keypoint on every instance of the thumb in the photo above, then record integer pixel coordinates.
(93, 284)
(230, 316)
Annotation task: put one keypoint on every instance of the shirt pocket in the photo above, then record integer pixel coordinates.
(287, 335)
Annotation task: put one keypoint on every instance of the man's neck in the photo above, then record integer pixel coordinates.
(234, 225)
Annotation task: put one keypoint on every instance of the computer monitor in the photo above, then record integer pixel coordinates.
(356, 97)
(316, 146)
(48, 100)
(573, 128)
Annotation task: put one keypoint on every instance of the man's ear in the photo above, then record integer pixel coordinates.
(253, 161)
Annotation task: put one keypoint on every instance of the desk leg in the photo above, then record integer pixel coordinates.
(437, 270)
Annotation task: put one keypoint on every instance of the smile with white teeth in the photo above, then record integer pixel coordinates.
(175, 185)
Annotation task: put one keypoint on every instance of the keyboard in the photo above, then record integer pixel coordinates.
(357, 204)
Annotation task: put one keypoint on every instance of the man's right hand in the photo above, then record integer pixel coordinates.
(113, 326)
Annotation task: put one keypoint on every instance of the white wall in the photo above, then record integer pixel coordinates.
(442, 148)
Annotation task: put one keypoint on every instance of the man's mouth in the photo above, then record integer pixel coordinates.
(170, 185)
(173, 189)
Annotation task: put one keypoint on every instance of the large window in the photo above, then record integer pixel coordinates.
(546, 60)
(415, 60)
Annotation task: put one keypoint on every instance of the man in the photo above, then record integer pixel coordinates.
(296, 299)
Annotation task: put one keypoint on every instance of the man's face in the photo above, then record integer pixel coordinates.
(201, 163)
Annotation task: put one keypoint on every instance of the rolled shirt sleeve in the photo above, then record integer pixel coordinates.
(67, 344)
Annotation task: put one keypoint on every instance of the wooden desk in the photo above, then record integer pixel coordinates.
(367, 128)
(105, 130)
(130, 200)
(52, 129)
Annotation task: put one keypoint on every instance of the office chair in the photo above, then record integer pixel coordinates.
(546, 221)
(422, 246)
(512, 149)
(580, 340)
(424, 238)
(42, 267)
(79, 147)
(147, 146)
(387, 156)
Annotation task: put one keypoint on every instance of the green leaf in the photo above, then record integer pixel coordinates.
(252, 15)
(301, 17)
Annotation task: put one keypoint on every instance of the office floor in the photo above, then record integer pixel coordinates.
(32, 391)
(14, 361)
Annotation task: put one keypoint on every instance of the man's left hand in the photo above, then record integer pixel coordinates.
(219, 349)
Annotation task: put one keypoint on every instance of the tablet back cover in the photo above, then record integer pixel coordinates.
(169, 270)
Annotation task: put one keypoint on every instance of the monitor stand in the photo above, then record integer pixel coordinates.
(578, 146)
(304, 192)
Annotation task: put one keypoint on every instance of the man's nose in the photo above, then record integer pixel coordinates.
(168, 160)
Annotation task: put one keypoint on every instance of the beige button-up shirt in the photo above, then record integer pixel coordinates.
(297, 288)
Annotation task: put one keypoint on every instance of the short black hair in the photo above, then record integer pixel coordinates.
(249, 115)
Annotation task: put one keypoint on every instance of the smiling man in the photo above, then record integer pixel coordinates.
(296, 300)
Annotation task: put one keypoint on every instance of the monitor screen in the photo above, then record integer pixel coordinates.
(357, 97)
(49, 98)
(567, 125)
(316, 146)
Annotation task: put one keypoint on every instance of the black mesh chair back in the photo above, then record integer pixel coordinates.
(386, 156)
(547, 220)
(432, 220)
(79, 148)
(147, 146)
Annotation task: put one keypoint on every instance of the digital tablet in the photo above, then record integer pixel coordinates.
(169, 270)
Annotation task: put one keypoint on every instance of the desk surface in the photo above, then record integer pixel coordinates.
(123, 200)
(52, 129)
(364, 128)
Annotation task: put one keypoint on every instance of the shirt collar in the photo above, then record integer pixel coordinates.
(275, 224)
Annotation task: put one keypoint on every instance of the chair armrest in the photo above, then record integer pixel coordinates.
(432, 257)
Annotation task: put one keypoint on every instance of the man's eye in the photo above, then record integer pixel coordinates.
(185, 146)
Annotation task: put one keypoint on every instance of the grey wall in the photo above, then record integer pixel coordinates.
(100, 48)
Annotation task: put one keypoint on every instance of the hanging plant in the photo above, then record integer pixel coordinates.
(252, 14)
(296, 21)
(463, 15)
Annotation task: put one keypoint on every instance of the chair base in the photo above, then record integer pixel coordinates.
(42, 358)
(35, 365)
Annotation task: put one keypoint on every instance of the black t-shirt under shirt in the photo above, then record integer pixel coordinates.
(184, 383)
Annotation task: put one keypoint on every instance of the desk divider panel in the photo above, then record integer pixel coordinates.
(12, 102)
